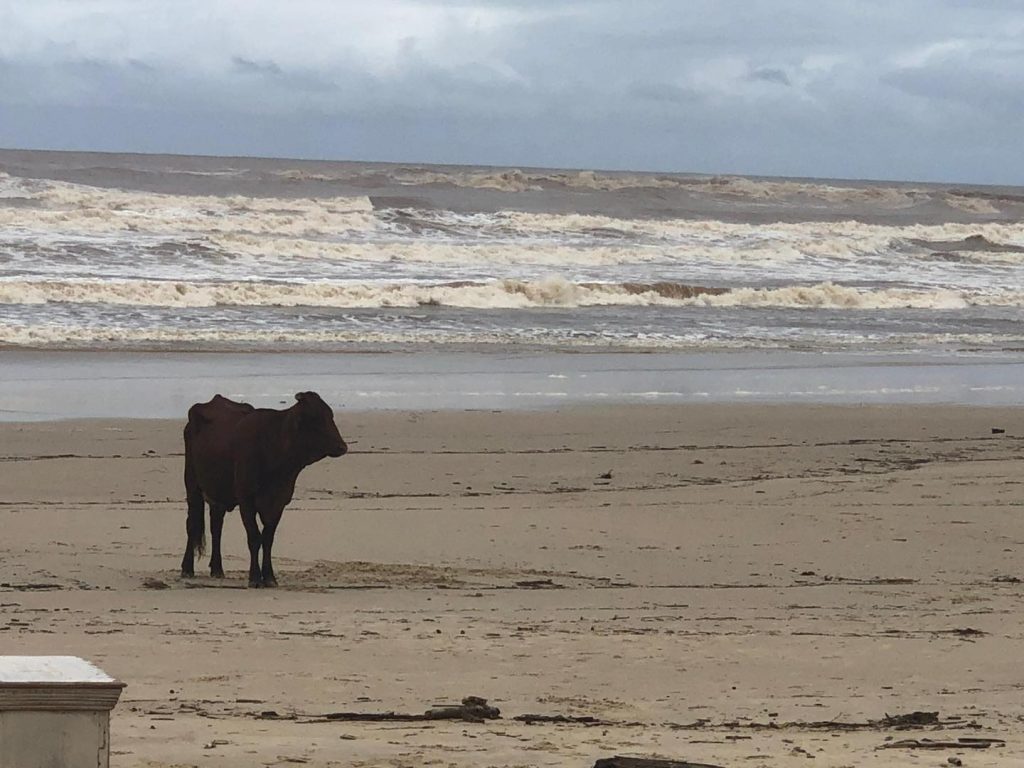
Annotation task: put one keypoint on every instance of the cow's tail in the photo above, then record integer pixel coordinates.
(195, 524)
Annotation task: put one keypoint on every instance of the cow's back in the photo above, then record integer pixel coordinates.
(210, 439)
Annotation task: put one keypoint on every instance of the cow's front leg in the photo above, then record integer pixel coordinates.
(270, 521)
(252, 533)
(216, 526)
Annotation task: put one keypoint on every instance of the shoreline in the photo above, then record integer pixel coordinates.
(68, 385)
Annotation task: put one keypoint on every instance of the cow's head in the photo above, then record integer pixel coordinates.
(318, 436)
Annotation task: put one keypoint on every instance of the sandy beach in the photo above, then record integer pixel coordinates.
(744, 584)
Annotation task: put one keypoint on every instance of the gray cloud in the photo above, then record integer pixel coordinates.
(861, 88)
(275, 76)
(243, 64)
(661, 92)
(769, 75)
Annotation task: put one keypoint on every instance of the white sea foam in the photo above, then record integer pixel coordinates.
(892, 197)
(737, 187)
(832, 296)
(93, 251)
(765, 189)
(77, 208)
(47, 335)
(89, 337)
(509, 180)
(500, 294)
(552, 291)
(67, 205)
(349, 229)
(969, 204)
(849, 239)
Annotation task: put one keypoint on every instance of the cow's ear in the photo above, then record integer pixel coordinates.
(301, 396)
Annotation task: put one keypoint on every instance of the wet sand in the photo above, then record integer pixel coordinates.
(752, 585)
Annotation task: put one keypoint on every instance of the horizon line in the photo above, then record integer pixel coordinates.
(511, 167)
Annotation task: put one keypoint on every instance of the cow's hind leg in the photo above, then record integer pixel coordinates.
(195, 523)
(217, 513)
(270, 521)
(252, 534)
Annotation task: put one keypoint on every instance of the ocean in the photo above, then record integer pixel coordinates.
(171, 254)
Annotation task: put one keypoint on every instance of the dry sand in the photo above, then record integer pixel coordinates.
(745, 573)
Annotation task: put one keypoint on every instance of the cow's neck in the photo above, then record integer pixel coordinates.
(292, 459)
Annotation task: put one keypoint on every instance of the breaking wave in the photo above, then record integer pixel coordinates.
(497, 294)
(79, 208)
(105, 334)
(44, 336)
(891, 196)
(350, 227)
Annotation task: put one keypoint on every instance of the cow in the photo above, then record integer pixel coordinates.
(240, 456)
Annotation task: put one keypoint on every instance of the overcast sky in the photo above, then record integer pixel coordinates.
(896, 89)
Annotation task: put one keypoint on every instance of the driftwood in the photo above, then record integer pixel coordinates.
(364, 717)
(473, 709)
(961, 743)
(910, 720)
(538, 584)
(644, 762)
(574, 720)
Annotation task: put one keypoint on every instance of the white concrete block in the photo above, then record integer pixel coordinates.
(55, 712)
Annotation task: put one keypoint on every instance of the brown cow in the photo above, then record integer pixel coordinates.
(240, 456)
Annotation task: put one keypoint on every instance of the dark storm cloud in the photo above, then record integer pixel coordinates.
(916, 89)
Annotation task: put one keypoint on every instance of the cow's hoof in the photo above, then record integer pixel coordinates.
(271, 582)
(253, 584)
(187, 574)
(216, 574)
